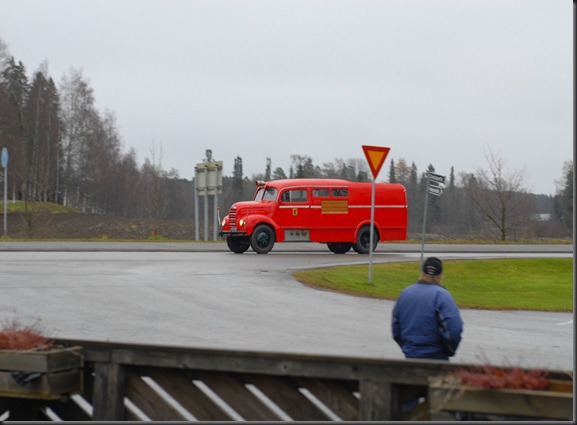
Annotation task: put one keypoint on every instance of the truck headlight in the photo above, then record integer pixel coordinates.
(241, 222)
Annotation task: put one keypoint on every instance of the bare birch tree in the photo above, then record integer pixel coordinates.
(80, 123)
(499, 195)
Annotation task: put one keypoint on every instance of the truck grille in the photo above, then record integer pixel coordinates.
(232, 217)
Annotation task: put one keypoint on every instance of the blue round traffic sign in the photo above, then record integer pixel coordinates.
(4, 157)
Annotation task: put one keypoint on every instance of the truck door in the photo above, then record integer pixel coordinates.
(293, 214)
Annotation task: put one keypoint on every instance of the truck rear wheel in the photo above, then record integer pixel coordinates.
(237, 244)
(364, 240)
(339, 247)
(262, 239)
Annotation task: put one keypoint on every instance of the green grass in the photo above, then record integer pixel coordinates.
(19, 206)
(503, 284)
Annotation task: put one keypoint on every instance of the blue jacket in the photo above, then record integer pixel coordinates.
(426, 322)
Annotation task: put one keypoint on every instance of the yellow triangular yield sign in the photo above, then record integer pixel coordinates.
(376, 156)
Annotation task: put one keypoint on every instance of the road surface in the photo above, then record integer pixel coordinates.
(202, 295)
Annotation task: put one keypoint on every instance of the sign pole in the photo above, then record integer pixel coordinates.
(424, 223)
(435, 185)
(5, 200)
(371, 237)
(5, 166)
(196, 205)
(206, 205)
(375, 157)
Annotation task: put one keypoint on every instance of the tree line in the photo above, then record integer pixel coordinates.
(63, 150)
(490, 203)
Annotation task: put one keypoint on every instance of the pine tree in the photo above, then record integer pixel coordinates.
(237, 176)
(267, 173)
(392, 175)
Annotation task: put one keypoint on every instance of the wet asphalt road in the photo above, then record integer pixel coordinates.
(202, 295)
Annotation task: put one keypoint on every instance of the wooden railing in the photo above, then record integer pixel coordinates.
(163, 383)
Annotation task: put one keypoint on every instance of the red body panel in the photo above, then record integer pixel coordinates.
(321, 210)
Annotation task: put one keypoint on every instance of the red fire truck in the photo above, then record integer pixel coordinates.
(332, 211)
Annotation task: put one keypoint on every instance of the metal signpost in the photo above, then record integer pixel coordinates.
(376, 156)
(434, 187)
(207, 181)
(5, 166)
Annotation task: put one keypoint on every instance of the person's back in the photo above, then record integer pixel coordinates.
(426, 320)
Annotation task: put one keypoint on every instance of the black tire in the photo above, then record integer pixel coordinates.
(339, 247)
(364, 240)
(262, 239)
(238, 244)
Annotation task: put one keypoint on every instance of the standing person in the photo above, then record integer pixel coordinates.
(426, 320)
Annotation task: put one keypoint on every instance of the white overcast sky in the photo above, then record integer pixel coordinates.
(439, 82)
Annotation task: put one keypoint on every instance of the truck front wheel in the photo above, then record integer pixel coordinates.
(237, 244)
(364, 238)
(262, 239)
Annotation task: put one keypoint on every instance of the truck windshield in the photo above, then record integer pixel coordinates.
(258, 194)
(268, 194)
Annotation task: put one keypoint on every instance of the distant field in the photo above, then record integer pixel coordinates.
(502, 284)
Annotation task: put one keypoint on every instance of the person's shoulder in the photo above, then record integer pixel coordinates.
(411, 287)
(444, 293)
(408, 289)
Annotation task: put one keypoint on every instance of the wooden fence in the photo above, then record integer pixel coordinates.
(128, 382)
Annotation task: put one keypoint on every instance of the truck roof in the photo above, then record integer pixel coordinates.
(280, 184)
(320, 182)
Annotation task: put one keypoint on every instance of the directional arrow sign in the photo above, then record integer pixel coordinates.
(435, 190)
(437, 178)
(376, 156)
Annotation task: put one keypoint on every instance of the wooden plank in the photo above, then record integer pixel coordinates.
(108, 392)
(232, 391)
(88, 382)
(377, 399)
(187, 394)
(286, 395)
(415, 371)
(531, 404)
(336, 395)
(46, 386)
(5, 404)
(130, 415)
(68, 410)
(348, 370)
(560, 385)
(267, 363)
(22, 409)
(41, 361)
(151, 403)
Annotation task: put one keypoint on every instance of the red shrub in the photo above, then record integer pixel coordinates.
(495, 377)
(17, 337)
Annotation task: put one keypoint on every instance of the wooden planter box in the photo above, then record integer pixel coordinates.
(555, 402)
(54, 372)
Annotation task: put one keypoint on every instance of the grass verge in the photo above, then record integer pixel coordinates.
(502, 284)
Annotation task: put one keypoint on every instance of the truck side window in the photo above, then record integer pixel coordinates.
(340, 192)
(294, 195)
(320, 192)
